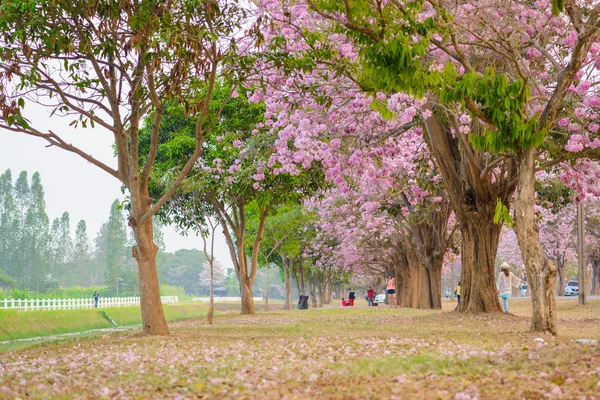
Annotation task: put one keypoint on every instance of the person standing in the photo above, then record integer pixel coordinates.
(458, 291)
(506, 279)
(351, 297)
(370, 296)
(391, 290)
(96, 298)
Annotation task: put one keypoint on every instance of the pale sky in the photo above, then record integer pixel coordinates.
(74, 185)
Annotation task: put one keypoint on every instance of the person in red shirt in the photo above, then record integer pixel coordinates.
(345, 303)
(370, 296)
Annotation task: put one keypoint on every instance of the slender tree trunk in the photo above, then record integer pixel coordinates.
(541, 271)
(288, 283)
(153, 318)
(480, 238)
(321, 294)
(560, 265)
(267, 289)
(313, 294)
(595, 261)
(211, 301)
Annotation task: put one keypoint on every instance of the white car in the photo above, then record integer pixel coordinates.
(523, 290)
(572, 288)
(379, 299)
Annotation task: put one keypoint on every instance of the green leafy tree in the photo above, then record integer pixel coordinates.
(37, 239)
(116, 248)
(82, 253)
(106, 64)
(229, 178)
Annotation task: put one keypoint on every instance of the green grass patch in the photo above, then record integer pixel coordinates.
(27, 324)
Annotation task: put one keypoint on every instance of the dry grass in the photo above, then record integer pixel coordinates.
(330, 353)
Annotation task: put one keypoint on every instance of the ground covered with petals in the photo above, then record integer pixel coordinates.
(329, 353)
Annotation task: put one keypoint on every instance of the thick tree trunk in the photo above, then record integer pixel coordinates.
(413, 272)
(424, 291)
(144, 252)
(403, 280)
(541, 271)
(480, 238)
(246, 294)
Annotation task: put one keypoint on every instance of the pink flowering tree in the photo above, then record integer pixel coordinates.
(321, 116)
(517, 78)
(474, 179)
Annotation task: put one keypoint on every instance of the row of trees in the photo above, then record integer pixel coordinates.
(423, 115)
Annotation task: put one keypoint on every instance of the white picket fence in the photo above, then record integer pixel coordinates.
(72, 304)
(219, 299)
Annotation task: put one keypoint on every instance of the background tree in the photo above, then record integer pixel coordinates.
(82, 253)
(116, 249)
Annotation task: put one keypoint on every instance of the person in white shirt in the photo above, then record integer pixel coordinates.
(506, 280)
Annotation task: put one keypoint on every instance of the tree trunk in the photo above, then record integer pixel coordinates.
(246, 294)
(211, 301)
(424, 288)
(313, 294)
(153, 317)
(413, 271)
(595, 261)
(321, 294)
(541, 271)
(403, 281)
(288, 284)
(480, 238)
(560, 269)
(267, 289)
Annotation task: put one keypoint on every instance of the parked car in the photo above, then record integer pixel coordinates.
(523, 290)
(447, 293)
(379, 299)
(572, 288)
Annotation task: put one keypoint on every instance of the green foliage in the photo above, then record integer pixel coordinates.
(555, 192)
(167, 290)
(6, 281)
(71, 292)
(392, 60)
(183, 268)
(502, 214)
(558, 6)
(116, 277)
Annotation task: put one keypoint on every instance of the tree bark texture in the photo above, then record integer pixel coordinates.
(246, 294)
(144, 252)
(473, 182)
(479, 246)
(541, 271)
(560, 269)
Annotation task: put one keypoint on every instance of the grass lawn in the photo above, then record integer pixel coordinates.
(28, 324)
(329, 353)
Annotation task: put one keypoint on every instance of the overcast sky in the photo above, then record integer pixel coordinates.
(74, 185)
